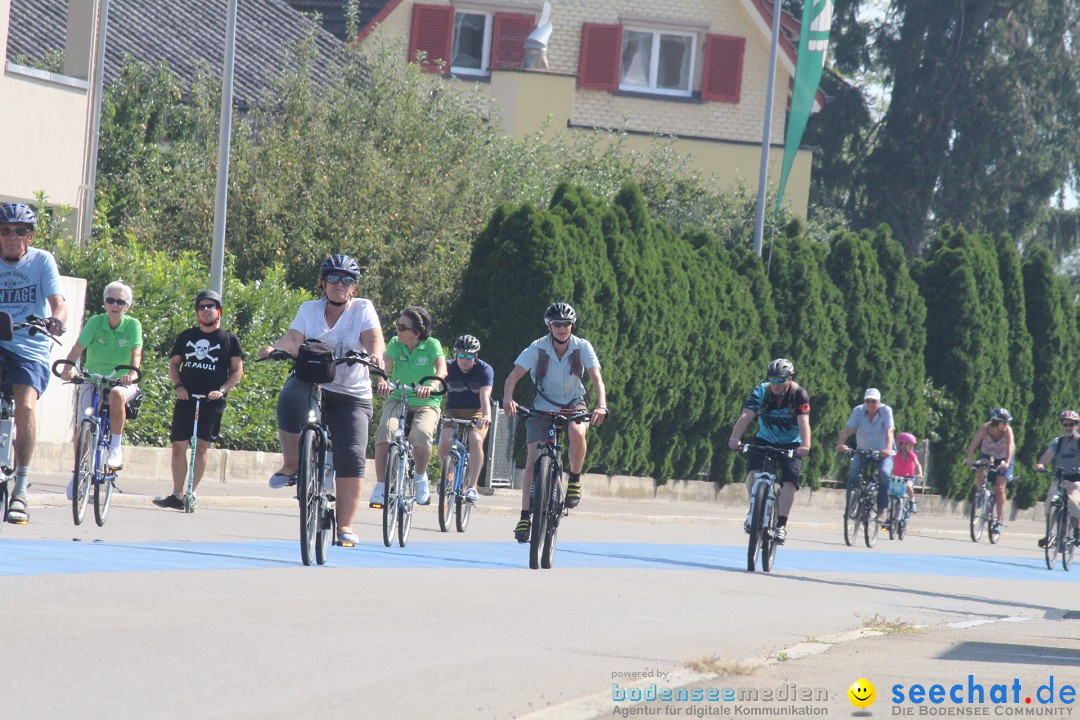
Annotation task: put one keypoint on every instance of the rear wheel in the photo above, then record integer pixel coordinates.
(895, 511)
(84, 470)
(1052, 522)
(392, 490)
(757, 527)
(978, 519)
(541, 496)
(307, 492)
(446, 491)
(551, 535)
(768, 544)
(851, 516)
(870, 523)
(463, 509)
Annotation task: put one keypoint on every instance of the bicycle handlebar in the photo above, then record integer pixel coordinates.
(86, 376)
(458, 421)
(874, 454)
(395, 386)
(767, 449)
(569, 416)
(33, 322)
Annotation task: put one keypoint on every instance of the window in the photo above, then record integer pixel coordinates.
(468, 42)
(472, 44)
(657, 62)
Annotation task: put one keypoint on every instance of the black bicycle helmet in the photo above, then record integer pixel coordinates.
(780, 368)
(339, 264)
(560, 311)
(18, 213)
(1000, 415)
(208, 295)
(467, 344)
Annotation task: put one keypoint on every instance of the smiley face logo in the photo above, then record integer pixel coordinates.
(862, 693)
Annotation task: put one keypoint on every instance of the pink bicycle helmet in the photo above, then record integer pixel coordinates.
(905, 437)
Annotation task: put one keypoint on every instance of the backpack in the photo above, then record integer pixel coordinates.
(315, 362)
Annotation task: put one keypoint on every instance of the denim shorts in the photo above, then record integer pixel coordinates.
(22, 371)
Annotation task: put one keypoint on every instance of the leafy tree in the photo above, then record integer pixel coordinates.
(1019, 342)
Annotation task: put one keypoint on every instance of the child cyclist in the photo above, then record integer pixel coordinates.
(906, 465)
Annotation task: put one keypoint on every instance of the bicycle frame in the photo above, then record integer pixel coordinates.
(983, 500)
(764, 506)
(452, 497)
(862, 512)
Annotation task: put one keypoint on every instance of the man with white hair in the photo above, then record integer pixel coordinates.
(872, 423)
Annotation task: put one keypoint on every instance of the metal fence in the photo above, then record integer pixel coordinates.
(499, 471)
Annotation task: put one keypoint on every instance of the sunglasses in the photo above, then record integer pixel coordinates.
(778, 381)
(340, 279)
(560, 323)
(207, 306)
(1068, 424)
(466, 356)
(19, 231)
(406, 328)
(116, 301)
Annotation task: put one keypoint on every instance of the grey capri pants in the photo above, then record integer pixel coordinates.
(347, 416)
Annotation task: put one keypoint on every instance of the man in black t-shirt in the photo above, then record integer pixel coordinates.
(208, 361)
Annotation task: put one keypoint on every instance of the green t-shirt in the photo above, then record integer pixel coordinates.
(409, 367)
(106, 348)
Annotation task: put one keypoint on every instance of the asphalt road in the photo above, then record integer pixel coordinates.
(165, 615)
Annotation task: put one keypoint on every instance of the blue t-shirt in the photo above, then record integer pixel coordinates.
(25, 288)
(778, 415)
(464, 388)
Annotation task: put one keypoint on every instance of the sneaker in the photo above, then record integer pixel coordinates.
(780, 535)
(71, 489)
(280, 480)
(471, 496)
(746, 523)
(521, 532)
(423, 492)
(171, 502)
(997, 528)
(880, 519)
(914, 507)
(1043, 543)
(378, 496)
(573, 493)
(116, 457)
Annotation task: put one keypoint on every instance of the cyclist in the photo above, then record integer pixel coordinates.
(345, 323)
(1064, 451)
(411, 355)
(872, 423)
(469, 380)
(109, 339)
(994, 439)
(906, 465)
(29, 285)
(557, 364)
(205, 360)
(782, 409)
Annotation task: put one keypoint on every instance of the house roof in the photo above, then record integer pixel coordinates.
(185, 35)
(333, 13)
(790, 29)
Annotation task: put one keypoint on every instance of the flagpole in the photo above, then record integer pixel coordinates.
(766, 133)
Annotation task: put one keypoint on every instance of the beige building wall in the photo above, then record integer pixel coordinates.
(45, 119)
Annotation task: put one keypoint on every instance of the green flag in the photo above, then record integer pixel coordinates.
(813, 45)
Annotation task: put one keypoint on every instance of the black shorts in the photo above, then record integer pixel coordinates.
(790, 468)
(183, 418)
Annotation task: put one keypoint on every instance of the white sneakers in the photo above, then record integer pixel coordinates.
(423, 492)
(471, 496)
(378, 496)
(116, 457)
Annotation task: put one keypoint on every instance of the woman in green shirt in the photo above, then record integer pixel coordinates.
(410, 356)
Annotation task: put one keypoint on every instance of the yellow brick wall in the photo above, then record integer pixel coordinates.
(739, 122)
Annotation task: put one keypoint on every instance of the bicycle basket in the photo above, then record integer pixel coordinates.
(132, 406)
(315, 363)
(897, 487)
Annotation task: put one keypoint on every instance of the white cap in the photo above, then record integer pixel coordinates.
(872, 394)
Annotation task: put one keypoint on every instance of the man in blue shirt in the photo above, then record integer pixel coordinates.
(29, 285)
(872, 423)
(468, 397)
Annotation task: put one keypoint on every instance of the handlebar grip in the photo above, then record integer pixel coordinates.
(137, 371)
(435, 393)
(62, 361)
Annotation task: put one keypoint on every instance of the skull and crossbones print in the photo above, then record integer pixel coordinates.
(201, 350)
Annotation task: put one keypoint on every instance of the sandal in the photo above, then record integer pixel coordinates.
(347, 538)
(16, 513)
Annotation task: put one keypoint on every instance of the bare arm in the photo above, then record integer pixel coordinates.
(975, 440)
(740, 427)
(58, 308)
(485, 407)
(372, 341)
(73, 356)
(290, 342)
(600, 413)
(508, 389)
(844, 435)
(804, 433)
(888, 449)
(174, 376)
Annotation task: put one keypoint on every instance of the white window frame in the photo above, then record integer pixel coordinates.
(654, 62)
(489, 30)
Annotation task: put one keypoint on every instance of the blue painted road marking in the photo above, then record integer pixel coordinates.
(54, 557)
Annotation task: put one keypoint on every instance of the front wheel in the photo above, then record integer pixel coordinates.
(978, 517)
(307, 492)
(995, 533)
(757, 527)
(3, 501)
(392, 494)
(324, 538)
(446, 491)
(1067, 543)
(851, 516)
(1052, 522)
(541, 496)
(551, 536)
(103, 499)
(769, 544)
(871, 527)
(84, 470)
(901, 531)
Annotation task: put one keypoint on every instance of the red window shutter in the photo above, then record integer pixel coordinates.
(432, 33)
(508, 39)
(721, 79)
(598, 67)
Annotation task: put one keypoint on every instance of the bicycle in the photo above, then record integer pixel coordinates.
(314, 479)
(899, 507)
(546, 493)
(399, 499)
(455, 475)
(1061, 538)
(33, 325)
(982, 503)
(861, 504)
(92, 443)
(764, 506)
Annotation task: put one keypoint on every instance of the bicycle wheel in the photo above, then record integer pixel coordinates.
(870, 523)
(1065, 540)
(551, 534)
(894, 516)
(405, 513)
(541, 497)
(307, 492)
(392, 494)
(1053, 520)
(3, 501)
(769, 545)
(757, 528)
(103, 491)
(84, 470)
(978, 519)
(327, 529)
(447, 496)
(994, 533)
(463, 510)
(851, 516)
(901, 529)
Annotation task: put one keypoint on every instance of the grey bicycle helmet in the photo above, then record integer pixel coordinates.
(20, 213)
(208, 295)
(467, 344)
(339, 264)
(1000, 415)
(780, 368)
(560, 311)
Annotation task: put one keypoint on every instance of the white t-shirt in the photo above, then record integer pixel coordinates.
(358, 317)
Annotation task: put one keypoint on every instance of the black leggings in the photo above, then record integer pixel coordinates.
(347, 416)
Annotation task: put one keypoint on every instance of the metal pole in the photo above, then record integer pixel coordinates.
(766, 133)
(217, 260)
(86, 223)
